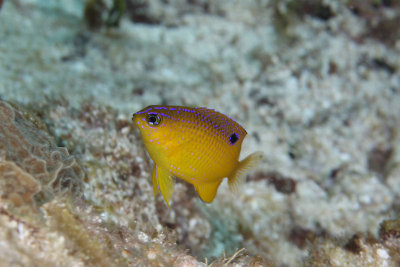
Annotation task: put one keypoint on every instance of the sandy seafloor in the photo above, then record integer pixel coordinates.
(316, 85)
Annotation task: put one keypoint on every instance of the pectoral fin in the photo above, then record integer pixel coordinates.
(207, 191)
(163, 181)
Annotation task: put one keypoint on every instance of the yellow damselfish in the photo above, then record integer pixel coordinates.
(198, 145)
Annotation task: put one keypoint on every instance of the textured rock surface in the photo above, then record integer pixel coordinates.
(315, 84)
(31, 159)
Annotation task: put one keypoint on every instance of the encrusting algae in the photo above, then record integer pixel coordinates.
(198, 145)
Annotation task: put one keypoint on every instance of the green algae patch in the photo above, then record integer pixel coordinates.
(390, 228)
(80, 238)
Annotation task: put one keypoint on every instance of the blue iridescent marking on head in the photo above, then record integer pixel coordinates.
(141, 112)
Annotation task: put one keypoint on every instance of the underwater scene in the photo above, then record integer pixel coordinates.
(200, 133)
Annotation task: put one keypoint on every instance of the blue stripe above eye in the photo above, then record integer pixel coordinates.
(141, 112)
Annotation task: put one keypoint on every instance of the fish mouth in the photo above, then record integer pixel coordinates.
(135, 119)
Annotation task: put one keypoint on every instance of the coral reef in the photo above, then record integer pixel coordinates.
(32, 164)
(17, 185)
(360, 250)
(315, 84)
(65, 222)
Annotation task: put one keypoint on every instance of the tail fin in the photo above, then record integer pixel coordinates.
(239, 174)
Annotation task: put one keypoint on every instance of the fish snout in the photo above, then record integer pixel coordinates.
(136, 120)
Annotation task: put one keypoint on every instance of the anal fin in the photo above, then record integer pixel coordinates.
(207, 191)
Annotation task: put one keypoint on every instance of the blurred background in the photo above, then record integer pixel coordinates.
(316, 85)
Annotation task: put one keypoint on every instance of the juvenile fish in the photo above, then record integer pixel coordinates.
(198, 145)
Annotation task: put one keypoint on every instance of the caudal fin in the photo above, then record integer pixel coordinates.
(238, 176)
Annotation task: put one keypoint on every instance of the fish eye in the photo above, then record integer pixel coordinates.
(153, 119)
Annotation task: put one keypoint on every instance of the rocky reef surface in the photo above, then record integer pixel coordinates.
(315, 83)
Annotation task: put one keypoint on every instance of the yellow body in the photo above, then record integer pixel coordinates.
(198, 145)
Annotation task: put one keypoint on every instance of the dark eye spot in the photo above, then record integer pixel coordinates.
(233, 138)
(153, 119)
